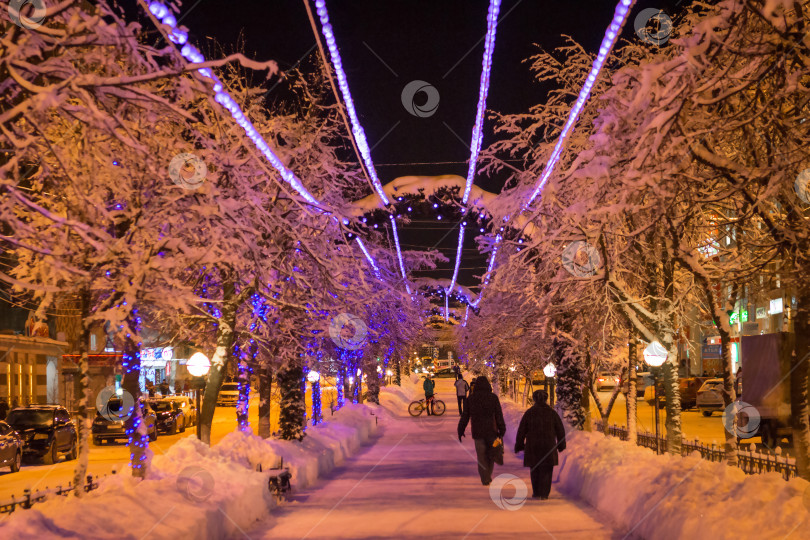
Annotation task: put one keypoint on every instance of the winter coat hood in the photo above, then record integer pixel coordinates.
(482, 384)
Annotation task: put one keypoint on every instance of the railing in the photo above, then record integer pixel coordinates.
(749, 461)
(30, 498)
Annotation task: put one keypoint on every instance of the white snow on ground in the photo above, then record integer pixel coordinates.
(667, 497)
(197, 492)
(417, 481)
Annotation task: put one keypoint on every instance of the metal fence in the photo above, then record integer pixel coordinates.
(30, 498)
(750, 460)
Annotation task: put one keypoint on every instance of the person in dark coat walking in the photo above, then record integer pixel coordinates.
(3, 409)
(541, 434)
(483, 412)
(461, 393)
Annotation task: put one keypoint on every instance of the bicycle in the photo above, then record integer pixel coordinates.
(416, 407)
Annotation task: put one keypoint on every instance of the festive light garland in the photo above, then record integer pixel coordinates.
(608, 41)
(221, 96)
(399, 253)
(477, 133)
(343, 84)
(611, 35)
(357, 129)
(483, 90)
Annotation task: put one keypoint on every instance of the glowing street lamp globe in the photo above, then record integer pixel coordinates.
(549, 370)
(198, 365)
(655, 354)
(313, 376)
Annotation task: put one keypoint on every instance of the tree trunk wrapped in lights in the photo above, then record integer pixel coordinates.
(570, 376)
(397, 370)
(372, 382)
(139, 454)
(292, 416)
(243, 378)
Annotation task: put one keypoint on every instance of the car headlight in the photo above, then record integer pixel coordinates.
(41, 436)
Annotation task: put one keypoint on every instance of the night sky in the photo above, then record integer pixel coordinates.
(385, 44)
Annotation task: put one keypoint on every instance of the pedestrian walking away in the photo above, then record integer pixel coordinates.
(461, 393)
(483, 412)
(428, 387)
(540, 435)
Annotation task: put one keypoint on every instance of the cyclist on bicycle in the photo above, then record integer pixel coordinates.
(428, 386)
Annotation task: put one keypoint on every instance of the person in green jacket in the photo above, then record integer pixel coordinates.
(428, 386)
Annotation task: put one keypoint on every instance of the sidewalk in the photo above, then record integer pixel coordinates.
(416, 481)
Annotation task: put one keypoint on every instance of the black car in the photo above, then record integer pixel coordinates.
(11, 447)
(46, 431)
(108, 424)
(445, 373)
(170, 416)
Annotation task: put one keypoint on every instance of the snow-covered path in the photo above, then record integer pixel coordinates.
(416, 481)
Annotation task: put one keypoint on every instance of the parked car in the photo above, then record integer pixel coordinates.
(643, 380)
(228, 394)
(189, 409)
(710, 397)
(110, 426)
(689, 387)
(11, 447)
(606, 380)
(445, 372)
(46, 431)
(170, 417)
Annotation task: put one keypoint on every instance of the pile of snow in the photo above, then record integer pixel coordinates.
(194, 491)
(662, 497)
(672, 497)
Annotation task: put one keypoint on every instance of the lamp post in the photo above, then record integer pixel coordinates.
(550, 372)
(314, 379)
(198, 366)
(655, 355)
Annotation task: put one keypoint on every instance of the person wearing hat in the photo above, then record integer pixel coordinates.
(540, 435)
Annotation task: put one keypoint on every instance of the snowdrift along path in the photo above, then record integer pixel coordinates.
(417, 481)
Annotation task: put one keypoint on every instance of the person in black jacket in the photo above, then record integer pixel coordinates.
(541, 434)
(483, 412)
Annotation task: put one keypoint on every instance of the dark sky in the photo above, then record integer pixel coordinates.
(385, 44)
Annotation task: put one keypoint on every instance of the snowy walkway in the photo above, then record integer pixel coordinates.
(416, 481)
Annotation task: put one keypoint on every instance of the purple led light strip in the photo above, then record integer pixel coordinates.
(477, 133)
(221, 96)
(611, 35)
(483, 90)
(343, 84)
(190, 53)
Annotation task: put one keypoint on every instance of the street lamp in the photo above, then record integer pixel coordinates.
(655, 355)
(314, 379)
(198, 366)
(550, 372)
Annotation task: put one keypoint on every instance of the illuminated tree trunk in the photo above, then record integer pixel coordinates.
(632, 387)
(292, 415)
(140, 455)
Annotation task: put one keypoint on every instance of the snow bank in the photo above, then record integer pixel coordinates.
(667, 497)
(195, 491)
(670, 497)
